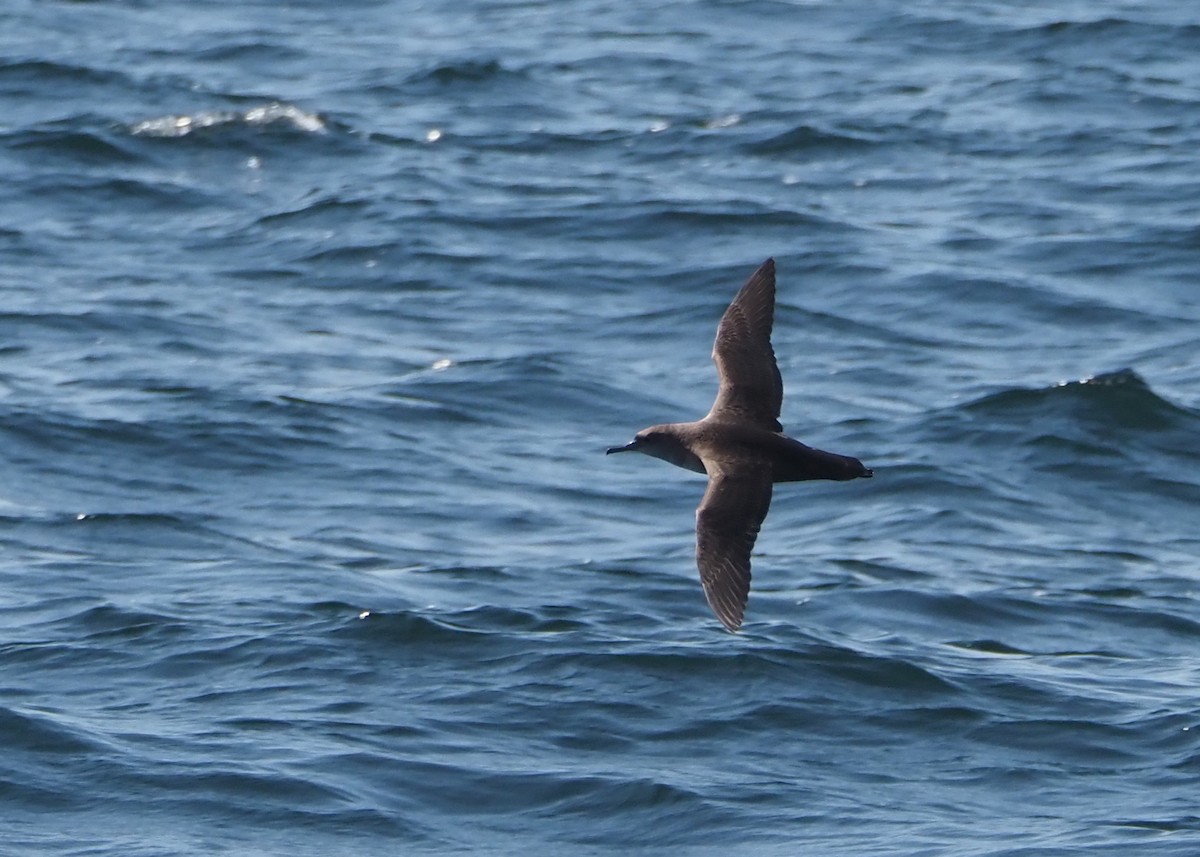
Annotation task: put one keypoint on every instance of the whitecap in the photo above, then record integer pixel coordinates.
(268, 114)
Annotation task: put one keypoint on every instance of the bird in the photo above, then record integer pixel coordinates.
(741, 447)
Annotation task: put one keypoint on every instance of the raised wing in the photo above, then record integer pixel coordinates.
(727, 524)
(751, 388)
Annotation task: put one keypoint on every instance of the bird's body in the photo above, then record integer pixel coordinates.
(740, 445)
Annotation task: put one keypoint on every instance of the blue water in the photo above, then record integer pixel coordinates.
(315, 321)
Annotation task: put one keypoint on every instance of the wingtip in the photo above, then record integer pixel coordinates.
(731, 621)
(764, 272)
(763, 276)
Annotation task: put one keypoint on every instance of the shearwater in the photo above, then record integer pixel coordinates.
(740, 445)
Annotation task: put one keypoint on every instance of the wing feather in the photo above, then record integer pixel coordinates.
(751, 388)
(727, 525)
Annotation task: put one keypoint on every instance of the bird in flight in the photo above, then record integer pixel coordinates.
(740, 445)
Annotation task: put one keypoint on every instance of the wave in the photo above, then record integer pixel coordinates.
(82, 139)
(807, 138)
(40, 73)
(278, 115)
(39, 731)
(1084, 451)
(1101, 412)
(464, 71)
(1116, 400)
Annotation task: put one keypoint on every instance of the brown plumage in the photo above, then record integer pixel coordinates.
(741, 447)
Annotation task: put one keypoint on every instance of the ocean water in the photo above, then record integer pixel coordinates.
(316, 319)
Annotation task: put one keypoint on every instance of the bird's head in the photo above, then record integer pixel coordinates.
(665, 443)
(648, 442)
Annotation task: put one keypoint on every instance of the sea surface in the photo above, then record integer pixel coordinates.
(316, 319)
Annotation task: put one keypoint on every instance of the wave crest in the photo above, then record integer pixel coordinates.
(275, 114)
